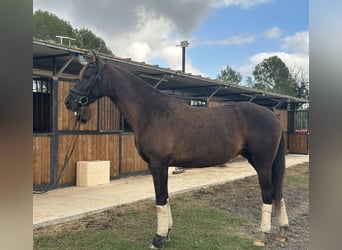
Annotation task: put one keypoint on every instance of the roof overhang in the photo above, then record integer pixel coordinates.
(49, 59)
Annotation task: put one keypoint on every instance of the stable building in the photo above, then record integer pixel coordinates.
(107, 136)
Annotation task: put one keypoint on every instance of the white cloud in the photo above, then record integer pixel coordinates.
(150, 30)
(139, 50)
(298, 43)
(273, 33)
(153, 38)
(172, 55)
(141, 30)
(292, 61)
(233, 40)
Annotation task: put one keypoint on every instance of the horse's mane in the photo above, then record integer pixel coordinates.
(141, 82)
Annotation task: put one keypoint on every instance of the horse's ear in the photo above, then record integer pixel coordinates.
(94, 57)
(84, 68)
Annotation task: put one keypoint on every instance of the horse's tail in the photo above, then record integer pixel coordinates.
(278, 171)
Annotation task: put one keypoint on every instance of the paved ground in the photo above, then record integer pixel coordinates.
(69, 203)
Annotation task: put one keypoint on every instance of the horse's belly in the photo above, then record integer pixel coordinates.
(206, 158)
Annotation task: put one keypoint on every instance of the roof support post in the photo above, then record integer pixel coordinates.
(160, 81)
(54, 128)
(54, 137)
(276, 106)
(252, 98)
(57, 75)
(214, 92)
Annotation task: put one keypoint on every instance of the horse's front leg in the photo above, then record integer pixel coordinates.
(164, 217)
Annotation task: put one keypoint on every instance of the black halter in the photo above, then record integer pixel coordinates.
(83, 98)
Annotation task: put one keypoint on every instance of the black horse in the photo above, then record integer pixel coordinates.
(170, 132)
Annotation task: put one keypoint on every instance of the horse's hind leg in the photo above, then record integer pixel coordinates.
(265, 181)
(282, 220)
(264, 171)
(164, 216)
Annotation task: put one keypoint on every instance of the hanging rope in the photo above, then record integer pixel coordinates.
(70, 150)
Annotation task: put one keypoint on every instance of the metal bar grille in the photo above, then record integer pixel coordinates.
(42, 104)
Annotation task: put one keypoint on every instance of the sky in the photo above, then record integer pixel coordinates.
(237, 33)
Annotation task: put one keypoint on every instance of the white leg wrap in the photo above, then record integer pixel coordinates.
(266, 212)
(281, 214)
(169, 214)
(162, 220)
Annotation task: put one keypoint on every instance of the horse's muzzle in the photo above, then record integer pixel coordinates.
(84, 114)
(70, 104)
(82, 109)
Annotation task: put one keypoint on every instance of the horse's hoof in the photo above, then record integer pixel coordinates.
(157, 242)
(151, 246)
(281, 239)
(282, 235)
(259, 243)
(262, 241)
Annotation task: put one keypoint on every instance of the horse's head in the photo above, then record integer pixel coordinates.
(86, 90)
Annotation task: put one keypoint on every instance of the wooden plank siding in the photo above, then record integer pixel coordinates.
(131, 161)
(66, 119)
(109, 115)
(88, 148)
(215, 104)
(298, 143)
(41, 160)
(282, 115)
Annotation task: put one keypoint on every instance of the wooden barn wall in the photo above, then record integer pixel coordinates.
(89, 147)
(66, 119)
(41, 160)
(215, 104)
(299, 143)
(282, 115)
(131, 161)
(109, 115)
(95, 146)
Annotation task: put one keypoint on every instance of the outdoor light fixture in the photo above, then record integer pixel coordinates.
(183, 44)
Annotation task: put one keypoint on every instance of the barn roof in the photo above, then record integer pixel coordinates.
(50, 57)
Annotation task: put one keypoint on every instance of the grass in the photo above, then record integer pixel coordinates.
(298, 177)
(196, 227)
(198, 224)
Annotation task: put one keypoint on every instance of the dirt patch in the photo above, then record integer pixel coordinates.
(240, 198)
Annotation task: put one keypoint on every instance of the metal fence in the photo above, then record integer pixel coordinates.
(42, 104)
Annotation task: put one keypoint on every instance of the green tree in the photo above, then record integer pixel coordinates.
(47, 26)
(229, 76)
(273, 75)
(302, 83)
(88, 40)
(303, 90)
(250, 81)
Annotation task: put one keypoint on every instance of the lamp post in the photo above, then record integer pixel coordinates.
(183, 44)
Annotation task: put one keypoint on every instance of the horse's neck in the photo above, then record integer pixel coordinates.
(133, 97)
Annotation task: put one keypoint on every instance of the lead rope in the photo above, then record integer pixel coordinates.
(70, 150)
